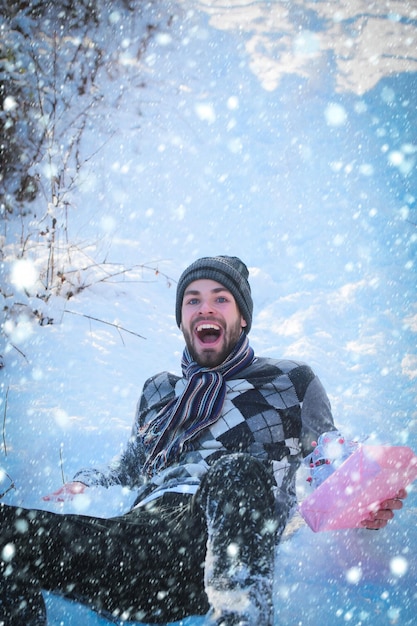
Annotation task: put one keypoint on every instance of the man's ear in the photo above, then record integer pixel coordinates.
(243, 323)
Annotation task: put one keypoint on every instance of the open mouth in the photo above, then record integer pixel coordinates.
(208, 332)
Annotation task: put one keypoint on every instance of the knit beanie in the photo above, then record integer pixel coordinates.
(230, 272)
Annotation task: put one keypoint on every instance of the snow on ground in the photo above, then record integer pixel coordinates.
(307, 187)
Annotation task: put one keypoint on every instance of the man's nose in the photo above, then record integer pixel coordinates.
(205, 307)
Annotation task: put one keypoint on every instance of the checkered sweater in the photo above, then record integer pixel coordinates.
(273, 411)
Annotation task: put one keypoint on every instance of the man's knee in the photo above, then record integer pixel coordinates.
(241, 468)
(238, 481)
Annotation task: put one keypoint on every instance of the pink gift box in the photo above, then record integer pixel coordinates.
(369, 476)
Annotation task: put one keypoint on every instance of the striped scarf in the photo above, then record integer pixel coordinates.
(199, 406)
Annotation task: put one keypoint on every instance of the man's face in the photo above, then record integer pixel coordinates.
(211, 322)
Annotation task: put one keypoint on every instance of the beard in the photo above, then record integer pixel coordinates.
(207, 356)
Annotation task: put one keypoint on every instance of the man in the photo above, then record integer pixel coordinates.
(213, 457)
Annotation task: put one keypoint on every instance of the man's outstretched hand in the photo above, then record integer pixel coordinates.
(380, 518)
(66, 492)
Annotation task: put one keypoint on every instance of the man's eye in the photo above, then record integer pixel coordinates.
(193, 301)
(221, 299)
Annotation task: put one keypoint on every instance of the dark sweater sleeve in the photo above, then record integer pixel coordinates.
(316, 415)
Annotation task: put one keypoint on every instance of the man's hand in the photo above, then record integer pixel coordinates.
(380, 518)
(66, 492)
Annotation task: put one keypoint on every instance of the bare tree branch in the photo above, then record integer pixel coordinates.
(96, 319)
(4, 422)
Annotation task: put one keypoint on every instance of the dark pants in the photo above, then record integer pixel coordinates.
(147, 565)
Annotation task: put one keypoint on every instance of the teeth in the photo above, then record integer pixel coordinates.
(207, 327)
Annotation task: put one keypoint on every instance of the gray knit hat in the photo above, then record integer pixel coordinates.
(230, 272)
